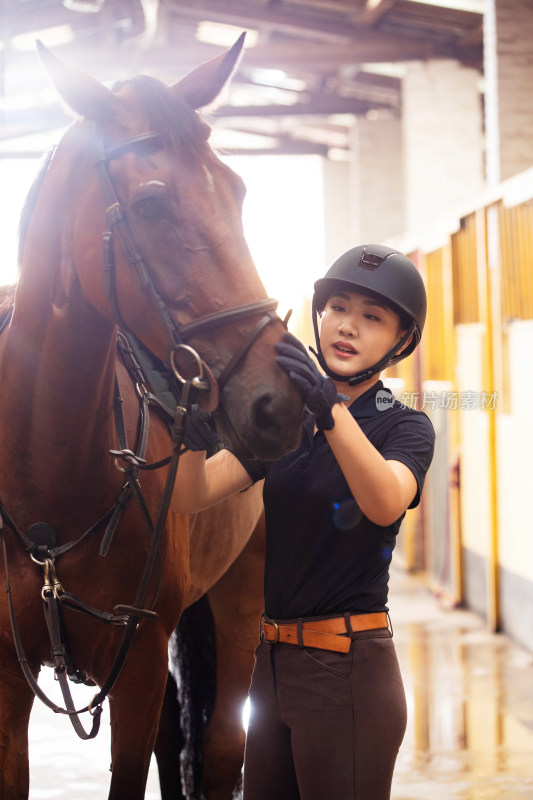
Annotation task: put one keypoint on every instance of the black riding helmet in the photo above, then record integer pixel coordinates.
(386, 274)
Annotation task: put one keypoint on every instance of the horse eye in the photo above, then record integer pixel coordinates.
(148, 208)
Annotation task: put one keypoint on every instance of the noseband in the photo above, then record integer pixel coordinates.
(117, 221)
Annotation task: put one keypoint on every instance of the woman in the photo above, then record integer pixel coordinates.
(328, 709)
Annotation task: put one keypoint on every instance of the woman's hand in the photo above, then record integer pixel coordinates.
(200, 429)
(205, 481)
(318, 392)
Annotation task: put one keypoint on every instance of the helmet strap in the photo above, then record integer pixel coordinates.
(364, 374)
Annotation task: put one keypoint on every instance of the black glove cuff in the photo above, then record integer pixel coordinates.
(200, 430)
(325, 421)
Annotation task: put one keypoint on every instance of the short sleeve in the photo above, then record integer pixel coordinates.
(412, 442)
(257, 470)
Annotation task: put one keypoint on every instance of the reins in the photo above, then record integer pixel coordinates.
(42, 547)
(53, 594)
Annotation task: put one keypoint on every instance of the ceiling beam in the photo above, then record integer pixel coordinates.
(276, 18)
(373, 11)
(474, 38)
(115, 62)
(346, 42)
(364, 47)
(283, 147)
(316, 106)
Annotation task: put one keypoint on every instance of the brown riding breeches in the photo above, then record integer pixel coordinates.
(324, 725)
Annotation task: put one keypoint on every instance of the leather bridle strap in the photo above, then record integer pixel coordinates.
(266, 307)
(236, 314)
(30, 678)
(52, 593)
(240, 354)
(117, 221)
(138, 610)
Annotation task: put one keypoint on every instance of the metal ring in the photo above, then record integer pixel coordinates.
(199, 379)
(128, 456)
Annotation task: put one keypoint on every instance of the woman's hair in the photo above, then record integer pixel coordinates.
(404, 321)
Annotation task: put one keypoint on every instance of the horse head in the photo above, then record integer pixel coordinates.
(173, 266)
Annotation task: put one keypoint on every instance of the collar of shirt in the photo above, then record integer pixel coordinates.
(366, 404)
(363, 407)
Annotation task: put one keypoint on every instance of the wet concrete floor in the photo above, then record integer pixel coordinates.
(470, 728)
(470, 704)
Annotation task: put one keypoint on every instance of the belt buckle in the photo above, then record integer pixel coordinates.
(276, 628)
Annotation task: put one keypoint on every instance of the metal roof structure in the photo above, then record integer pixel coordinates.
(308, 67)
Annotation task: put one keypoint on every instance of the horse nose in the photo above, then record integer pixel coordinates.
(264, 415)
(276, 428)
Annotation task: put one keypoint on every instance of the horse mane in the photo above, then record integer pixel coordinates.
(173, 119)
(7, 301)
(30, 201)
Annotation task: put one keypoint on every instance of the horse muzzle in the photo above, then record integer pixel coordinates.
(265, 424)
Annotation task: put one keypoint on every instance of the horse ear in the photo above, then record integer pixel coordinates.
(201, 86)
(80, 91)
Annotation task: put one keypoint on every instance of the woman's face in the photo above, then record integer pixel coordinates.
(356, 332)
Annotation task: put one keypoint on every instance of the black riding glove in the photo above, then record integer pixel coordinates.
(200, 429)
(318, 392)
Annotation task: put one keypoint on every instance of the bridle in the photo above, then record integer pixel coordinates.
(42, 549)
(117, 222)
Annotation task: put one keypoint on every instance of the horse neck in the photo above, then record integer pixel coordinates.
(58, 362)
(57, 412)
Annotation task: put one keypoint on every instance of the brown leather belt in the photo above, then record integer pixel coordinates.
(325, 634)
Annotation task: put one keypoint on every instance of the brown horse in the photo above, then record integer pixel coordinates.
(174, 268)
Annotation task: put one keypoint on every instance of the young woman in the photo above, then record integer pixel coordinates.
(328, 709)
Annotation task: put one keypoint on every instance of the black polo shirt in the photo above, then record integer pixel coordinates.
(323, 556)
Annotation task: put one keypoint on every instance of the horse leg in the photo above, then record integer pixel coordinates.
(135, 705)
(236, 603)
(16, 700)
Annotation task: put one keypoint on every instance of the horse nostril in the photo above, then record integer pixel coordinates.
(262, 416)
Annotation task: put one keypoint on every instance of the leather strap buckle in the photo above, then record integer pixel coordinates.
(276, 628)
(271, 624)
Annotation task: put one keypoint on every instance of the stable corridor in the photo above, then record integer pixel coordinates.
(470, 729)
(470, 701)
